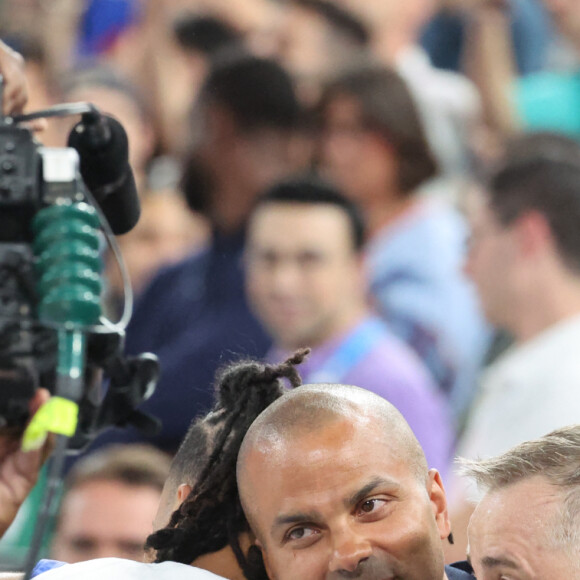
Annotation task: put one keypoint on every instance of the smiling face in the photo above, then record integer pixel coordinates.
(342, 502)
(512, 534)
(304, 275)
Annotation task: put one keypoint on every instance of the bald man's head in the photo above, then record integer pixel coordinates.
(312, 407)
(325, 454)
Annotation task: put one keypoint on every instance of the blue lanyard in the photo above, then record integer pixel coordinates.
(349, 353)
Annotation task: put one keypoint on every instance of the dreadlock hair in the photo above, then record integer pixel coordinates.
(211, 517)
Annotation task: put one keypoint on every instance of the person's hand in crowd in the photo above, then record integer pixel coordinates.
(15, 95)
(18, 469)
(15, 85)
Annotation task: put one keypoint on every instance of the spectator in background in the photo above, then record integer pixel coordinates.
(316, 39)
(181, 69)
(532, 492)
(374, 147)
(447, 102)
(547, 100)
(109, 503)
(149, 54)
(306, 282)
(194, 315)
(445, 36)
(335, 485)
(524, 258)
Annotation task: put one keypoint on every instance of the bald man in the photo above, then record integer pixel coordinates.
(335, 485)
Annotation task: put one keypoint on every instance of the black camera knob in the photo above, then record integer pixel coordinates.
(8, 166)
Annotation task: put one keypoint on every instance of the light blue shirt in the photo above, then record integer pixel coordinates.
(418, 287)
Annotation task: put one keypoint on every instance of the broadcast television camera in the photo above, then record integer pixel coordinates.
(57, 205)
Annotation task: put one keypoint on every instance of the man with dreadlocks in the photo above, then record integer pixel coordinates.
(201, 528)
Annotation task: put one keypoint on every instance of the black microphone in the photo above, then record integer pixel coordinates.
(103, 148)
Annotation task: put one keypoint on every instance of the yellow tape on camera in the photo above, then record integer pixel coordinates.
(57, 415)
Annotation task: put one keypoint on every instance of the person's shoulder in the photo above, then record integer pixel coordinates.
(440, 217)
(429, 225)
(459, 571)
(535, 357)
(171, 272)
(185, 273)
(45, 565)
(175, 571)
(120, 569)
(388, 352)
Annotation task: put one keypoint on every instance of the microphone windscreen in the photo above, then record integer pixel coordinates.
(103, 149)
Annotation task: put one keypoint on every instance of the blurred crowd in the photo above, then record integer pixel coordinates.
(395, 185)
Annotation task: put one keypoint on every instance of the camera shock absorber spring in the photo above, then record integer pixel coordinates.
(66, 245)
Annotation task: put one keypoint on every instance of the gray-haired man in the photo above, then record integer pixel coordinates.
(527, 525)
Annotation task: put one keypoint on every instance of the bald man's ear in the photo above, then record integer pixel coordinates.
(182, 492)
(439, 503)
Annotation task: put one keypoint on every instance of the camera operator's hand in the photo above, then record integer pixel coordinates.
(16, 88)
(18, 469)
